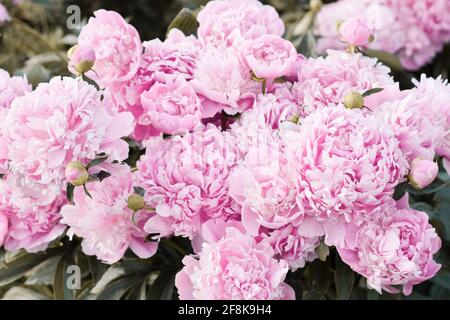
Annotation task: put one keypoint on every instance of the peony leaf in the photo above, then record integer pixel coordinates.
(61, 290)
(389, 59)
(97, 161)
(163, 286)
(118, 288)
(184, 21)
(344, 279)
(69, 192)
(400, 190)
(372, 91)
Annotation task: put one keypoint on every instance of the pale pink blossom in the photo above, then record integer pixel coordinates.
(106, 224)
(292, 246)
(32, 213)
(355, 32)
(4, 15)
(269, 56)
(324, 82)
(62, 121)
(117, 47)
(224, 82)
(395, 249)
(347, 164)
(415, 30)
(171, 106)
(227, 23)
(236, 267)
(423, 172)
(176, 56)
(264, 185)
(185, 179)
(10, 88)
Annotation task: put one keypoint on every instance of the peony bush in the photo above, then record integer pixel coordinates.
(230, 164)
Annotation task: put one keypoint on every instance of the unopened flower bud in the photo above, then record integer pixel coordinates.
(136, 202)
(81, 59)
(355, 32)
(354, 100)
(423, 172)
(76, 173)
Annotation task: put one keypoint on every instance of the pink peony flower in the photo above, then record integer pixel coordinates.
(423, 172)
(30, 212)
(235, 267)
(62, 121)
(415, 30)
(396, 248)
(81, 59)
(171, 106)
(176, 56)
(434, 95)
(409, 117)
(4, 15)
(269, 56)
(108, 227)
(117, 47)
(355, 32)
(268, 114)
(290, 245)
(347, 164)
(227, 23)
(185, 179)
(224, 83)
(324, 82)
(10, 88)
(265, 187)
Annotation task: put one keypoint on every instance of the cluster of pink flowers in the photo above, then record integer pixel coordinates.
(415, 30)
(253, 152)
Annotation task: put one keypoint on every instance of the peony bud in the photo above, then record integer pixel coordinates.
(354, 100)
(81, 59)
(76, 173)
(136, 202)
(355, 32)
(4, 15)
(423, 172)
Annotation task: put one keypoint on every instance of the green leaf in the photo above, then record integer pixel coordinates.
(163, 286)
(118, 288)
(386, 58)
(97, 268)
(140, 191)
(17, 268)
(44, 273)
(400, 190)
(97, 161)
(344, 279)
(185, 21)
(61, 291)
(69, 192)
(319, 279)
(372, 91)
(306, 45)
(87, 191)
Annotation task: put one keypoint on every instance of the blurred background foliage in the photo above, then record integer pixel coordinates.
(35, 43)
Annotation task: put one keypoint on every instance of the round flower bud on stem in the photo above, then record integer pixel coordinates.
(354, 100)
(76, 173)
(81, 59)
(423, 172)
(136, 202)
